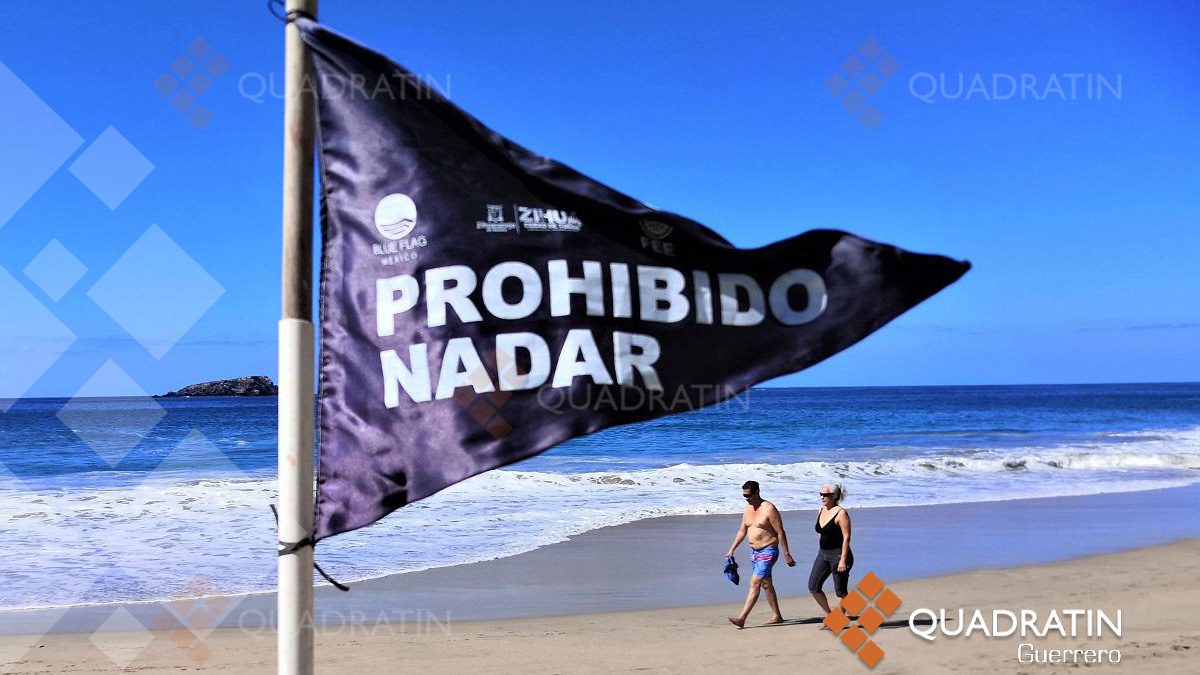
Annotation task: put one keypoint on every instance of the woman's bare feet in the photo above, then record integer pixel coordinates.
(740, 623)
(774, 620)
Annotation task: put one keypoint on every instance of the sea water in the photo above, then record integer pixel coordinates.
(114, 502)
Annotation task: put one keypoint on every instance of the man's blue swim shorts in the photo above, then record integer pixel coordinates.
(763, 559)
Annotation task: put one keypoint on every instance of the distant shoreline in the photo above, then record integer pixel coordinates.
(251, 385)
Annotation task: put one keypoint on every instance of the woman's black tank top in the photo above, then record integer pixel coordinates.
(831, 534)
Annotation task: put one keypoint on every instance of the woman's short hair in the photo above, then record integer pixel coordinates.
(837, 489)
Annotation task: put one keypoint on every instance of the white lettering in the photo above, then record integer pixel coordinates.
(563, 285)
(511, 379)
(388, 306)
(661, 285)
(493, 295)
(732, 313)
(461, 367)
(580, 343)
(415, 380)
(813, 284)
(437, 296)
(625, 360)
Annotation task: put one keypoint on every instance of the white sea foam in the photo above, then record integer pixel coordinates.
(156, 535)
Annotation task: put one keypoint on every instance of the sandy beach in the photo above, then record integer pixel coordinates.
(647, 597)
(1153, 587)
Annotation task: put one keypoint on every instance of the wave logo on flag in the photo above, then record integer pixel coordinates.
(395, 216)
(535, 304)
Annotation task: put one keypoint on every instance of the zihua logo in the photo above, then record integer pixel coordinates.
(535, 219)
(531, 219)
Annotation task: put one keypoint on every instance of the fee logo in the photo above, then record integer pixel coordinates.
(654, 234)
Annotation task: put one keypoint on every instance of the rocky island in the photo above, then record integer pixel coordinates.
(254, 385)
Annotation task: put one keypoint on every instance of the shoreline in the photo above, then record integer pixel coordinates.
(320, 583)
(1151, 587)
(675, 561)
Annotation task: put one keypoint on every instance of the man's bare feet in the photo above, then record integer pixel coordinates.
(740, 623)
(774, 620)
(824, 627)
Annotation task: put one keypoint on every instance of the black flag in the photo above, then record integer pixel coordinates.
(481, 303)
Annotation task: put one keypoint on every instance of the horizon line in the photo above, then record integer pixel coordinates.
(752, 388)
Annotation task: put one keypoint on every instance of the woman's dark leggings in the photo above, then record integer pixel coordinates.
(825, 565)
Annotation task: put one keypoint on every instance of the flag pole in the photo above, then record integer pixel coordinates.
(294, 619)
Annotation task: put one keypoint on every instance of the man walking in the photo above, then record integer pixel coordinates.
(763, 525)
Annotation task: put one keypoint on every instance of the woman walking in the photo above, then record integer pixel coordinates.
(834, 557)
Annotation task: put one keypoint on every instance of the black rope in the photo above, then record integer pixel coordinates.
(286, 548)
(279, 10)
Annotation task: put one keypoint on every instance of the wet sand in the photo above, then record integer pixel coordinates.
(1153, 587)
(677, 561)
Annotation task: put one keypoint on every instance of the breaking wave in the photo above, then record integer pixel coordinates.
(107, 539)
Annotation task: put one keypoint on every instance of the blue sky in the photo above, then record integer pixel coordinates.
(1080, 216)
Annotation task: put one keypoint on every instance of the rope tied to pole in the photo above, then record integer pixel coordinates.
(279, 10)
(287, 548)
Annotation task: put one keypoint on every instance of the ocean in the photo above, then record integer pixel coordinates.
(114, 500)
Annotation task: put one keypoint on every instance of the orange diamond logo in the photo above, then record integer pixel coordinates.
(888, 602)
(870, 585)
(870, 654)
(485, 408)
(870, 619)
(853, 603)
(854, 637)
(836, 620)
(869, 604)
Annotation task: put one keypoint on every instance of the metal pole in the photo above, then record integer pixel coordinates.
(295, 596)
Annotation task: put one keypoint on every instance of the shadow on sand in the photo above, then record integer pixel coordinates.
(894, 623)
